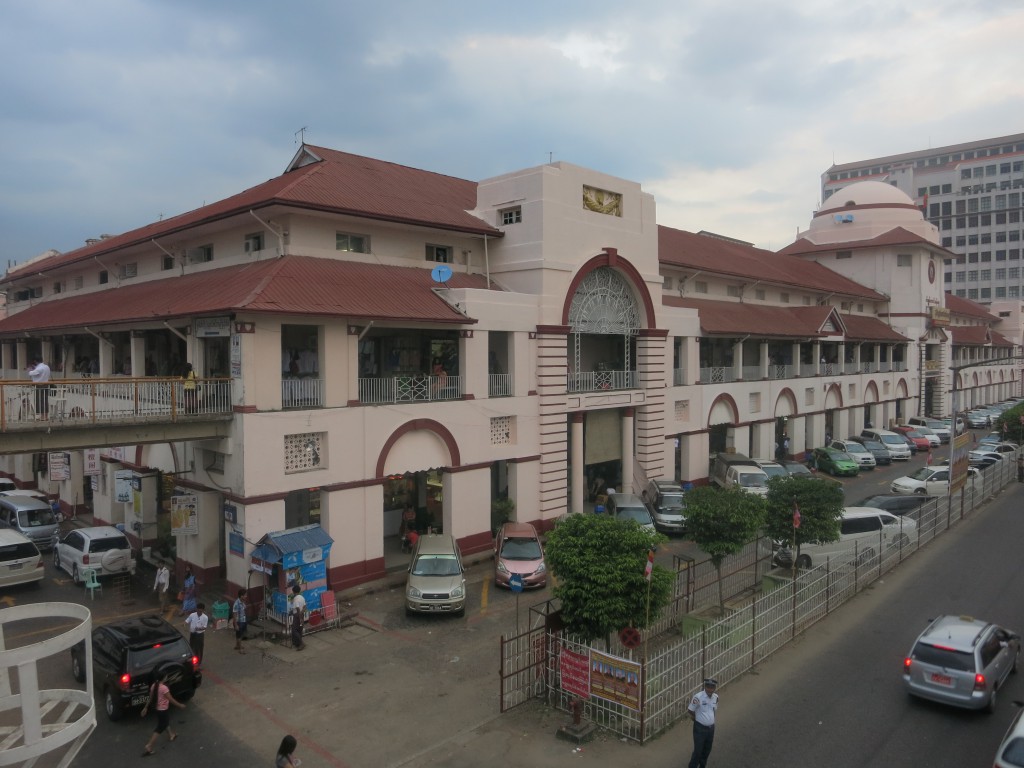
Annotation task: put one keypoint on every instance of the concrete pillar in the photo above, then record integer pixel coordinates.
(738, 440)
(523, 479)
(693, 457)
(473, 491)
(138, 355)
(106, 360)
(814, 425)
(796, 427)
(737, 360)
(577, 492)
(473, 364)
(21, 350)
(796, 359)
(762, 440)
(855, 422)
(816, 356)
(627, 451)
(764, 359)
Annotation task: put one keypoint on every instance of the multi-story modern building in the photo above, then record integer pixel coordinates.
(972, 193)
(371, 339)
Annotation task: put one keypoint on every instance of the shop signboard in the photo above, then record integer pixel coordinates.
(212, 327)
(59, 466)
(123, 485)
(91, 464)
(236, 545)
(116, 453)
(236, 356)
(615, 679)
(315, 554)
(184, 515)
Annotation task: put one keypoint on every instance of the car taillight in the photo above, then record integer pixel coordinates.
(125, 681)
(85, 559)
(979, 682)
(195, 662)
(906, 664)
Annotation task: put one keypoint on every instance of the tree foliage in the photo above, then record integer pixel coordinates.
(821, 509)
(722, 522)
(1009, 425)
(599, 564)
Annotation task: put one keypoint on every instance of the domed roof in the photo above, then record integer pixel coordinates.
(872, 193)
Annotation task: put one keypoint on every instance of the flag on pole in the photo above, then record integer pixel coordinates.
(649, 568)
(796, 514)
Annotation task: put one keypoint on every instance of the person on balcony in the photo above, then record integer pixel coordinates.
(188, 388)
(40, 375)
(440, 376)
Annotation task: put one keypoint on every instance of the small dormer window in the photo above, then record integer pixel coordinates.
(511, 215)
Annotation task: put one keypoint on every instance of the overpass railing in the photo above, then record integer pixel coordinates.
(117, 400)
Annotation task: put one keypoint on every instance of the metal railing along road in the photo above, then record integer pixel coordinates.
(116, 400)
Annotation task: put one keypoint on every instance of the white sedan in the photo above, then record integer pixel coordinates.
(929, 481)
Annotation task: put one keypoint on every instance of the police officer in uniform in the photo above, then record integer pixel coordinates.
(702, 710)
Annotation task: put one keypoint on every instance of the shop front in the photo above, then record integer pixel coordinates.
(297, 556)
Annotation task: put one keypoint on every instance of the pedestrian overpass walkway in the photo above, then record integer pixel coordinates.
(66, 414)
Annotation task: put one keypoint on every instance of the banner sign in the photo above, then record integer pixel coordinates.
(574, 673)
(184, 515)
(91, 462)
(59, 466)
(123, 485)
(615, 679)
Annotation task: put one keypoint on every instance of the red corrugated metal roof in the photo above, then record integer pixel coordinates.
(340, 183)
(958, 305)
(862, 328)
(998, 340)
(296, 285)
(972, 335)
(692, 251)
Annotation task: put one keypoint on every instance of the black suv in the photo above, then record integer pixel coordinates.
(129, 655)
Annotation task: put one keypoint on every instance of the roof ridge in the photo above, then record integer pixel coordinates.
(272, 272)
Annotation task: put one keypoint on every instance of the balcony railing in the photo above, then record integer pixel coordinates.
(302, 393)
(679, 377)
(409, 389)
(718, 374)
(599, 381)
(499, 385)
(116, 400)
(752, 373)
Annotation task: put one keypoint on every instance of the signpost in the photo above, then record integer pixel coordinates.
(515, 583)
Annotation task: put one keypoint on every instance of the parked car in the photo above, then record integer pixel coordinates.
(998, 447)
(834, 462)
(864, 458)
(628, 506)
(129, 654)
(20, 561)
(934, 441)
(897, 503)
(6, 484)
(797, 469)
(918, 441)
(436, 582)
(929, 481)
(896, 444)
(879, 451)
(665, 500)
(771, 468)
(1011, 750)
(978, 419)
(962, 661)
(517, 549)
(30, 516)
(960, 426)
(102, 548)
(939, 427)
(862, 530)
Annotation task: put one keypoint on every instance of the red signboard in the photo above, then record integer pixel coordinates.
(574, 671)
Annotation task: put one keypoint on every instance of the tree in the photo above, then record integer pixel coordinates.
(1009, 424)
(821, 509)
(599, 564)
(722, 522)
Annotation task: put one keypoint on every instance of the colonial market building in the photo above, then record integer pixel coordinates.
(370, 338)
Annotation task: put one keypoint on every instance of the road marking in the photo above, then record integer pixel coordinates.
(485, 586)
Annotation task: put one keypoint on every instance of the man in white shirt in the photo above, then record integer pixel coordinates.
(702, 710)
(298, 616)
(197, 623)
(162, 584)
(40, 375)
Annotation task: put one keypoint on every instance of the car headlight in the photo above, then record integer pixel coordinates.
(501, 567)
(459, 591)
(413, 592)
(541, 568)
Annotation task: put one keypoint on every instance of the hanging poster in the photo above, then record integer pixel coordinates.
(236, 356)
(615, 679)
(184, 515)
(59, 466)
(574, 672)
(115, 453)
(123, 485)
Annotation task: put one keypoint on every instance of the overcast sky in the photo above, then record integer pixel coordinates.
(118, 112)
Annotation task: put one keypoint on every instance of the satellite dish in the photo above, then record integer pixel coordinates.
(441, 273)
(838, 218)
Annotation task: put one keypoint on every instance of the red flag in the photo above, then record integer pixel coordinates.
(796, 514)
(650, 565)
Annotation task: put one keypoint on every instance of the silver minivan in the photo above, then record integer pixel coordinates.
(20, 562)
(29, 516)
(437, 581)
(893, 442)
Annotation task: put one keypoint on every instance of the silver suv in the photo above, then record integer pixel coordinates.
(962, 661)
(665, 500)
(436, 582)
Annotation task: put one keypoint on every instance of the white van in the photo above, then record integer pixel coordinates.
(861, 531)
(894, 442)
(736, 470)
(30, 516)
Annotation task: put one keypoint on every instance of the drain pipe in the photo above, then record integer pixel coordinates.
(280, 234)
(487, 263)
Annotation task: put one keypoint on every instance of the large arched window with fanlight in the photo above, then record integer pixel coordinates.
(604, 317)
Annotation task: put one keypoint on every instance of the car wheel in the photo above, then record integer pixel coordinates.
(804, 561)
(77, 669)
(919, 491)
(74, 574)
(56, 559)
(112, 705)
(991, 706)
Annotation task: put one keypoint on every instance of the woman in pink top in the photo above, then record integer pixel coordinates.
(162, 693)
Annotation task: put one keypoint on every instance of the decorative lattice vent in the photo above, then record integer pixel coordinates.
(304, 452)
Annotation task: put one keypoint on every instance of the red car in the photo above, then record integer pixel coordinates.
(920, 440)
(517, 550)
